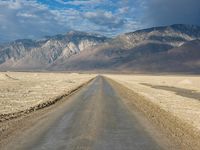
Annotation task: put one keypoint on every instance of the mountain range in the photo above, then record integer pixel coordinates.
(174, 48)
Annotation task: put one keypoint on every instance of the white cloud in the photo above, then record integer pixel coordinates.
(30, 18)
(26, 15)
(80, 2)
(11, 4)
(123, 10)
(104, 19)
(24, 19)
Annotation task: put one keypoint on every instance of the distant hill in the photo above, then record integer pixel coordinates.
(185, 58)
(173, 48)
(28, 54)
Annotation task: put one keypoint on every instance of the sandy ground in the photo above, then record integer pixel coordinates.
(94, 118)
(171, 102)
(179, 95)
(19, 91)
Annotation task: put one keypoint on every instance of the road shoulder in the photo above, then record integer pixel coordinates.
(183, 135)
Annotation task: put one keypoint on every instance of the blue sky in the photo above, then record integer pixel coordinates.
(37, 18)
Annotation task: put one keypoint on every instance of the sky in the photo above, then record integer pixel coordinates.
(32, 19)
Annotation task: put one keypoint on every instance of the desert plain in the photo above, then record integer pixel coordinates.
(21, 90)
(178, 94)
(170, 102)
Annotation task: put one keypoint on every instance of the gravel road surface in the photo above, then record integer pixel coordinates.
(94, 118)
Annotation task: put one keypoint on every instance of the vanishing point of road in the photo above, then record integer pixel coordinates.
(94, 118)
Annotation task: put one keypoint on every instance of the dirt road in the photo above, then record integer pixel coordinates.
(95, 118)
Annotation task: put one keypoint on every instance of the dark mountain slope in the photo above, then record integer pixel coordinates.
(185, 58)
(138, 51)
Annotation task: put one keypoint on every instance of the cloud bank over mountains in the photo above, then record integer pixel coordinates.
(37, 18)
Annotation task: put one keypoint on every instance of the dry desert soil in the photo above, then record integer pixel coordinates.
(86, 111)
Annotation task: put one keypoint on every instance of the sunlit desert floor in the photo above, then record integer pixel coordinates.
(21, 90)
(172, 102)
(177, 94)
